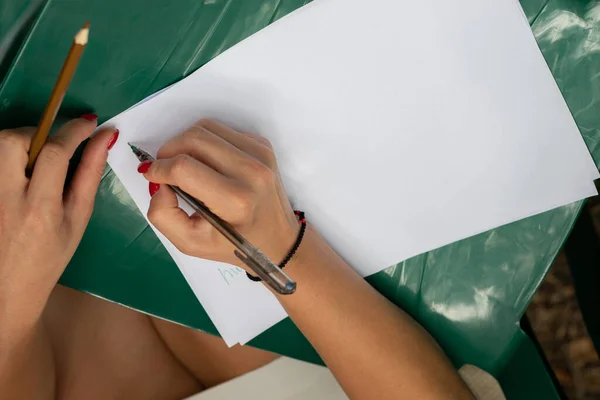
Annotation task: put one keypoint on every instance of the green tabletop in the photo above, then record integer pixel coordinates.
(470, 295)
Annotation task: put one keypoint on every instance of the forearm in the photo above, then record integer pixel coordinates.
(374, 349)
(26, 359)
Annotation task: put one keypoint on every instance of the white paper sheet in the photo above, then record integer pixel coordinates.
(399, 127)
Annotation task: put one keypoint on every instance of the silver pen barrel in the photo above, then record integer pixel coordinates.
(259, 263)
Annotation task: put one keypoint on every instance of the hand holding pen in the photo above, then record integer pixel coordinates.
(236, 177)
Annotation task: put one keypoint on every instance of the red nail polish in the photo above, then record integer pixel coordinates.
(144, 167)
(89, 117)
(113, 139)
(153, 188)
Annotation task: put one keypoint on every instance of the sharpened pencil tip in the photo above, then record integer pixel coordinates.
(82, 36)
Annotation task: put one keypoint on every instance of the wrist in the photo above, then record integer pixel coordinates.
(18, 315)
(315, 263)
(284, 239)
(276, 241)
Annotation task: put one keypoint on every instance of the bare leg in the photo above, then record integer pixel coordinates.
(105, 351)
(207, 356)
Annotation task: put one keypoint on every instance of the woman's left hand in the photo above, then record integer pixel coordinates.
(40, 223)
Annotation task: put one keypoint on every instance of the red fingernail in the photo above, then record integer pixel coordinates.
(89, 117)
(153, 188)
(144, 167)
(113, 139)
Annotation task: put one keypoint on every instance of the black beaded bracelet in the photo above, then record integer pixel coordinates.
(302, 221)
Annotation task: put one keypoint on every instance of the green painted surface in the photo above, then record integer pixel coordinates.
(470, 295)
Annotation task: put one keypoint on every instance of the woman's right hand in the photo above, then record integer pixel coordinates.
(235, 174)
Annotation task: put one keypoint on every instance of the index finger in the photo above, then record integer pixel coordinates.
(79, 199)
(226, 197)
(50, 170)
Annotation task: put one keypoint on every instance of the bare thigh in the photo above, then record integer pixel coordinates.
(105, 351)
(207, 357)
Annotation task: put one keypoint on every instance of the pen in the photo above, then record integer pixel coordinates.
(259, 263)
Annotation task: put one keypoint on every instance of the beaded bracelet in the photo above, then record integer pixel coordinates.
(302, 221)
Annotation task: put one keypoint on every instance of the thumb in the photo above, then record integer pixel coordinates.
(79, 201)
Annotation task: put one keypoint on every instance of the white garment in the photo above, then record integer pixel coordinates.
(289, 379)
